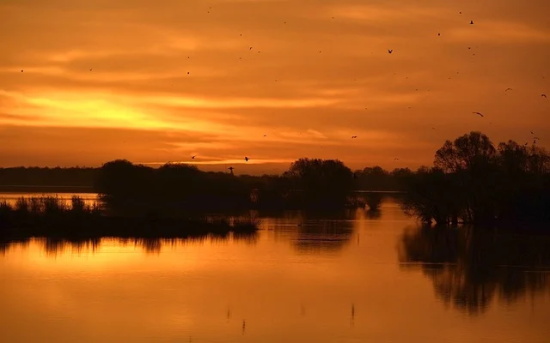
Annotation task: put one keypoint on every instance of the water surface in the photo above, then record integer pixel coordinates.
(354, 277)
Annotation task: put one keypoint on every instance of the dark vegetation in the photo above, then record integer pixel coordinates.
(472, 181)
(50, 217)
(48, 179)
(308, 184)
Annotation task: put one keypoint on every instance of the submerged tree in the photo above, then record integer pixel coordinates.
(472, 181)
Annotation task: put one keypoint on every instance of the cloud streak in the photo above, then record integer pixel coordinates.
(284, 79)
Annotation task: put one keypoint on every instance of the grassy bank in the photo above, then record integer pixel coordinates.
(51, 217)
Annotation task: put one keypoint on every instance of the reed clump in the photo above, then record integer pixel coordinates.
(55, 218)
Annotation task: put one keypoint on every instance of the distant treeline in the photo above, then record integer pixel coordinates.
(471, 181)
(43, 179)
(309, 183)
(63, 179)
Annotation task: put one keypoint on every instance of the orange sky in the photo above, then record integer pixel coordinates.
(159, 81)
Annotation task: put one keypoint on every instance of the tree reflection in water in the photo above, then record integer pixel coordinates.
(470, 269)
(54, 247)
(324, 232)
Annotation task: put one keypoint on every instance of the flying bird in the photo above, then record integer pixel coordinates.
(231, 169)
(91, 69)
(471, 22)
(543, 95)
(21, 70)
(353, 136)
(479, 114)
(508, 89)
(193, 157)
(246, 159)
(390, 51)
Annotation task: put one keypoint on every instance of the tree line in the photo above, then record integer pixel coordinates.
(471, 181)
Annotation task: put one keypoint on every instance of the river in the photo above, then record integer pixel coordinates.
(344, 277)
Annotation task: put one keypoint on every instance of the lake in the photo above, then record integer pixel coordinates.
(341, 277)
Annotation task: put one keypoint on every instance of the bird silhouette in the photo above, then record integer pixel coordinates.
(21, 70)
(471, 22)
(231, 169)
(390, 51)
(543, 95)
(508, 89)
(246, 159)
(193, 157)
(91, 69)
(353, 136)
(479, 114)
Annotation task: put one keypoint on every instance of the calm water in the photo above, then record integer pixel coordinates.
(343, 278)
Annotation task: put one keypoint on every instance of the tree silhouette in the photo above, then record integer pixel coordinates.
(320, 183)
(470, 151)
(474, 182)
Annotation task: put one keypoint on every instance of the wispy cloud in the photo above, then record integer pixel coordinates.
(284, 79)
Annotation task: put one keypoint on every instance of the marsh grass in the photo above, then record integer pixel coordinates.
(53, 217)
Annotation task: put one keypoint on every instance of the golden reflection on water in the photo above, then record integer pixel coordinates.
(343, 277)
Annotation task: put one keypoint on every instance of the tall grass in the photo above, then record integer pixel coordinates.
(53, 217)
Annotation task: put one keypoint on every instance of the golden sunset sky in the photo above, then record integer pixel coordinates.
(85, 82)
